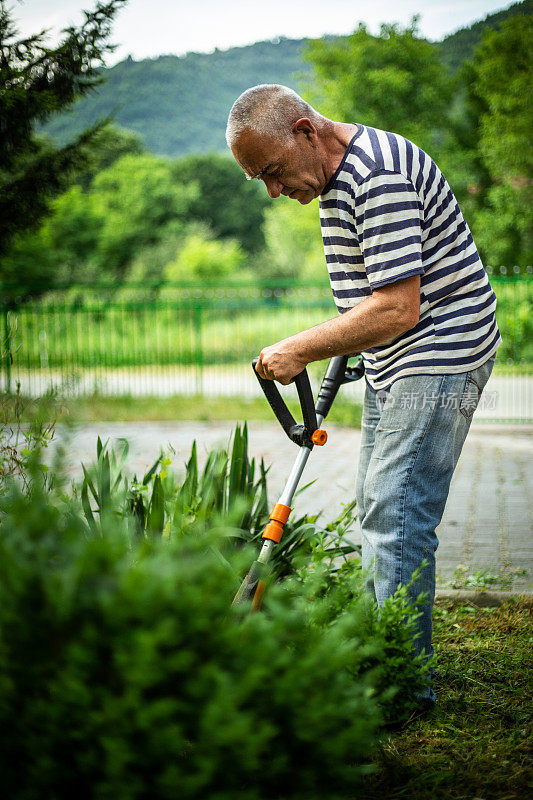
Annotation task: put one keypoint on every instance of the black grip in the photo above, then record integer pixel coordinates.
(297, 433)
(331, 382)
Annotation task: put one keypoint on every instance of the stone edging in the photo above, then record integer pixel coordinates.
(483, 599)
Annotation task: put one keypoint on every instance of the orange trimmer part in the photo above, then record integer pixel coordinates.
(319, 437)
(278, 517)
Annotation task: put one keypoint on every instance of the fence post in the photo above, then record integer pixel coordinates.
(5, 339)
(199, 348)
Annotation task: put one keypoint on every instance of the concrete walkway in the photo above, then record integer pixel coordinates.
(488, 521)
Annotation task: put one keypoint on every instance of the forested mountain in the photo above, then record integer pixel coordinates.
(459, 46)
(180, 105)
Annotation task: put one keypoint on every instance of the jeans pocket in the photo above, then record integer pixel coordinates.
(470, 397)
(475, 382)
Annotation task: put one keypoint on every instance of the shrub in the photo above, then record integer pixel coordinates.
(383, 637)
(163, 503)
(126, 673)
(26, 427)
(322, 558)
(205, 259)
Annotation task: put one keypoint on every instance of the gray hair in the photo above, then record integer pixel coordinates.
(269, 109)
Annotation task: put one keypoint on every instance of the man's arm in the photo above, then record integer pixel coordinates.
(388, 312)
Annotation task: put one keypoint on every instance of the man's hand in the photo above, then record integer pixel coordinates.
(280, 362)
(388, 312)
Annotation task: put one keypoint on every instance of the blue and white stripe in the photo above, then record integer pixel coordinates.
(387, 214)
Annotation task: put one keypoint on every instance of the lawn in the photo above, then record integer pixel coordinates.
(477, 742)
(128, 328)
(177, 408)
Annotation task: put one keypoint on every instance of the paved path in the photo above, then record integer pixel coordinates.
(488, 521)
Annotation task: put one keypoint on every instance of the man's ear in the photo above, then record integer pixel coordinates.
(305, 126)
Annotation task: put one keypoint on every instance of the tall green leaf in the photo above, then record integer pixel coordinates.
(156, 515)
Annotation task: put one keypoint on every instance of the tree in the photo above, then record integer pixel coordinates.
(500, 78)
(107, 146)
(131, 206)
(38, 82)
(502, 72)
(62, 250)
(138, 202)
(206, 260)
(394, 81)
(294, 248)
(231, 206)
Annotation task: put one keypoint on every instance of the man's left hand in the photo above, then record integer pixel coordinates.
(279, 362)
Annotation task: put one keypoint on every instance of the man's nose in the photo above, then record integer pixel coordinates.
(273, 186)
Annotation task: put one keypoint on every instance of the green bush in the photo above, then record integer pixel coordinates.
(126, 673)
(515, 319)
(204, 259)
(385, 638)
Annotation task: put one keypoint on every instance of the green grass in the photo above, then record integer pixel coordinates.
(116, 335)
(111, 331)
(475, 743)
(177, 408)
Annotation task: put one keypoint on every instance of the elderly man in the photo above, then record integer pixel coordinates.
(414, 300)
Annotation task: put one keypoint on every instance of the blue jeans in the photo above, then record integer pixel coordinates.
(411, 440)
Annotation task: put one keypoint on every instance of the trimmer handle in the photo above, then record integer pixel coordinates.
(300, 434)
(337, 374)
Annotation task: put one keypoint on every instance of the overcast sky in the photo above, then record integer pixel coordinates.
(148, 28)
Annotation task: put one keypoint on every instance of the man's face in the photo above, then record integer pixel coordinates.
(292, 168)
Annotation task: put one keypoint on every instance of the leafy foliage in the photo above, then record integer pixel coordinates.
(394, 81)
(459, 46)
(397, 672)
(107, 146)
(503, 66)
(498, 90)
(164, 503)
(294, 248)
(136, 200)
(204, 259)
(22, 443)
(476, 124)
(131, 205)
(232, 207)
(39, 82)
(503, 228)
(132, 676)
(515, 320)
(126, 672)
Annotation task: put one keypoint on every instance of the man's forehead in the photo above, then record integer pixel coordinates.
(253, 153)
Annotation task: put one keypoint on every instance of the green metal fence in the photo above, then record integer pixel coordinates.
(186, 339)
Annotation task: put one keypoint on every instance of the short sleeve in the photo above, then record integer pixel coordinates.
(389, 227)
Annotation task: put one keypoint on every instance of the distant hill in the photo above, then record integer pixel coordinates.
(180, 105)
(459, 46)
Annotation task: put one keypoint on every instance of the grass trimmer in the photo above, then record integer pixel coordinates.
(306, 436)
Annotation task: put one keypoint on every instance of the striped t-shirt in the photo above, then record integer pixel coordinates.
(386, 214)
